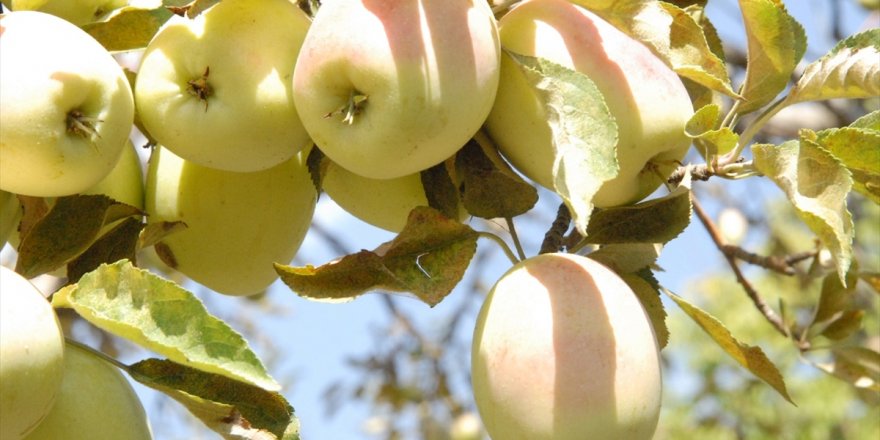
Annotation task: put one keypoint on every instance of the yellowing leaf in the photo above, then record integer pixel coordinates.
(709, 140)
(859, 150)
(816, 184)
(646, 288)
(129, 28)
(858, 366)
(428, 259)
(233, 409)
(584, 133)
(161, 316)
(850, 70)
(776, 43)
(749, 357)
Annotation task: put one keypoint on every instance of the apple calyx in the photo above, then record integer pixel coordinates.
(353, 107)
(81, 125)
(200, 88)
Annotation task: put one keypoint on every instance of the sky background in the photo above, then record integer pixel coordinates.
(306, 343)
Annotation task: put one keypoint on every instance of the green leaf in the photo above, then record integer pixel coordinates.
(317, 163)
(850, 70)
(627, 257)
(776, 43)
(235, 410)
(673, 34)
(120, 243)
(835, 298)
(845, 325)
(584, 133)
(871, 121)
(749, 357)
(428, 259)
(161, 316)
(859, 150)
(440, 190)
(489, 191)
(68, 229)
(816, 184)
(655, 221)
(128, 28)
(647, 289)
(709, 140)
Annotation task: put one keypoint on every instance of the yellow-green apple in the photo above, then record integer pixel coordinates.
(31, 356)
(125, 183)
(238, 224)
(563, 349)
(216, 90)
(78, 12)
(646, 98)
(96, 402)
(388, 88)
(67, 107)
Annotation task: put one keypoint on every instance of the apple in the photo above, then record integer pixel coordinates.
(125, 183)
(238, 224)
(67, 107)
(647, 98)
(563, 349)
(96, 402)
(10, 213)
(216, 90)
(390, 88)
(78, 12)
(31, 356)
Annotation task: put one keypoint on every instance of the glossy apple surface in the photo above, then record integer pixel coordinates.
(216, 90)
(238, 223)
(96, 402)
(564, 350)
(31, 356)
(67, 107)
(125, 183)
(78, 12)
(388, 88)
(646, 98)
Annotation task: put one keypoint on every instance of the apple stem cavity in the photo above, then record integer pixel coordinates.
(200, 88)
(353, 106)
(81, 125)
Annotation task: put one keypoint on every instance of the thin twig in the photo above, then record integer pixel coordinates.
(762, 306)
(783, 265)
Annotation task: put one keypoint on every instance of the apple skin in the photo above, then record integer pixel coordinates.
(247, 122)
(563, 349)
(10, 213)
(647, 99)
(238, 223)
(78, 12)
(31, 356)
(428, 69)
(73, 76)
(125, 183)
(96, 402)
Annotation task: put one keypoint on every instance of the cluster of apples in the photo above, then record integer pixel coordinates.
(50, 390)
(236, 98)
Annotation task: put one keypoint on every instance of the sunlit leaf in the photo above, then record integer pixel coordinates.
(816, 184)
(583, 130)
(427, 259)
(235, 410)
(646, 288)
(849, 70)
(655, 221)
(709, 140)
(129, 28)
(489, 191)
(776, 43)
(749, 357)
(68, 229)
(859, 150)
(161, 316)
(627, 257)
(857, 366)
(871, 121)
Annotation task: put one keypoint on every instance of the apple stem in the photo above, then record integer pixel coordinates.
(79, 345)
(353, 107)
(200, 88)
(81, 125)
(515, 238)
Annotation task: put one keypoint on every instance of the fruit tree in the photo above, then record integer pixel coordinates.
(513, 219)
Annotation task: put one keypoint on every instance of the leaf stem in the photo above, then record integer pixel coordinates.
(507, 251)
(752, 129)
(79, 345)
(515, 237)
